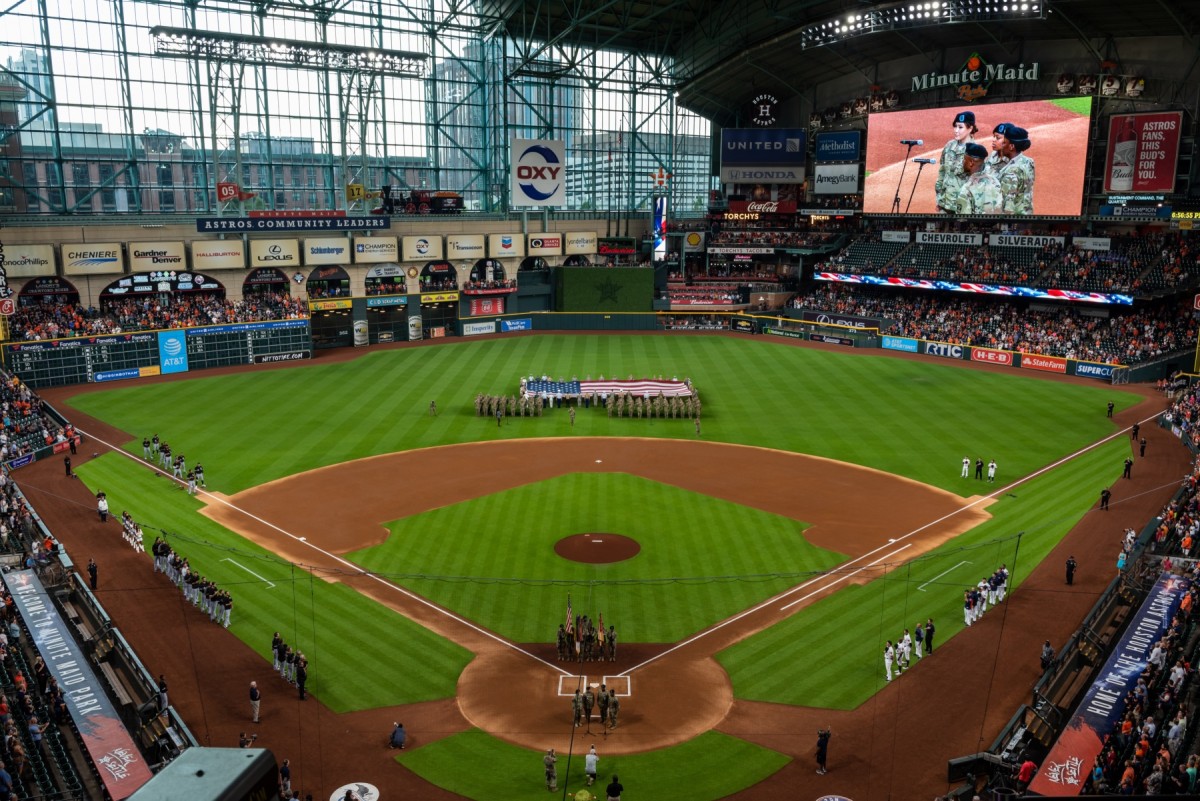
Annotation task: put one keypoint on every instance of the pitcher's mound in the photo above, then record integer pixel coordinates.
(597, 549)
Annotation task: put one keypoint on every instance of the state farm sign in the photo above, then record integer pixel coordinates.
(1049, 364)
(762, 206)
(991, 356)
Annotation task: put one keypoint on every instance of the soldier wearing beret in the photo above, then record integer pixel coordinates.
(951, 171)
(980, 193)
(1012, 167)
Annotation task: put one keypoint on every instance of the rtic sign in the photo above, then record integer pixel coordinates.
(944, 350)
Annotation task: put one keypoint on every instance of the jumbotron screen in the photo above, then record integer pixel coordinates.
(1038, 174)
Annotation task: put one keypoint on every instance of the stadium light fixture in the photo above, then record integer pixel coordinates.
(907, 15)
(270, 52)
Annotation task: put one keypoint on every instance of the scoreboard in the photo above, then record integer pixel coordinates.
(113, 357)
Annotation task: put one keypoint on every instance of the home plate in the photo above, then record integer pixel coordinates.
(599, 461)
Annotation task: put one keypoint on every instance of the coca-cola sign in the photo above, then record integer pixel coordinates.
(762, 206)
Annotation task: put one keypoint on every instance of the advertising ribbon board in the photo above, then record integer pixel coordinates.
(118, 762)
(1066, 767)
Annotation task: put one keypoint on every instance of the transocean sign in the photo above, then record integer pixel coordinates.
(972, 80)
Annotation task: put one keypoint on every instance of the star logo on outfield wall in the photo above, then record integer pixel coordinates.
(608, 289)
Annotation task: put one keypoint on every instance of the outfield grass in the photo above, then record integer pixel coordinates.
(325, 620)
(853, 623)
(912, 418)
(693, 569)
(478, 766)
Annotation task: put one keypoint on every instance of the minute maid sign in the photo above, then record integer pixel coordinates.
(973, 78)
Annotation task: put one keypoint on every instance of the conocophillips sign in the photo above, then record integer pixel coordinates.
(22, 261)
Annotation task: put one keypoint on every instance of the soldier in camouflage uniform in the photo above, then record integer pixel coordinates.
(980, 193)
(951, 175)
(1012, 167)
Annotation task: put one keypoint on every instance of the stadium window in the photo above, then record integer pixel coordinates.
(108, 197)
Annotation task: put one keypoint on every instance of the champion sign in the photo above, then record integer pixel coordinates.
(539, 172)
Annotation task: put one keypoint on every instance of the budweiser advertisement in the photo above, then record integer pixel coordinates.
(762, 206)
(1047, 364)
(1143, 152)
(917, 156)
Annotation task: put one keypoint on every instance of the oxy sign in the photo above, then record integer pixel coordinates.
(539, 172)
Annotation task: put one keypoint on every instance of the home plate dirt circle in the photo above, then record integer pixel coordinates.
(597, 549)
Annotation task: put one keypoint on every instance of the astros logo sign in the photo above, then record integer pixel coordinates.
(538, 173)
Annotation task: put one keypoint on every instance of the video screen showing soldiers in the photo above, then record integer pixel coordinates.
(1010, 159)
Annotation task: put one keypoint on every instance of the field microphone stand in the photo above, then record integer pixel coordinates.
(920, 166)
(911, 144)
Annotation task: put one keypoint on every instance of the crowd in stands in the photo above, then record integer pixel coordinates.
(386, 286)
(1137, 264)
(774, 238)
(694, 322)
(32, 707)
(1145, 753)
(429, 284)
(24, 425)
(16, 520)
(708, 296)
(1125, 337)
(508, 283)
(1183, 418)
(61, 320)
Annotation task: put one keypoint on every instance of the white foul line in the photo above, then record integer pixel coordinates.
(248, 570)
(720, 625)
(846, 576)
(939, 575)
(350, 565)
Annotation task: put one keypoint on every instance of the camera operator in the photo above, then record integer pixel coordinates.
(245, 740)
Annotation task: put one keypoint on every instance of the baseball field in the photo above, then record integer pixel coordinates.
(421, 564)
